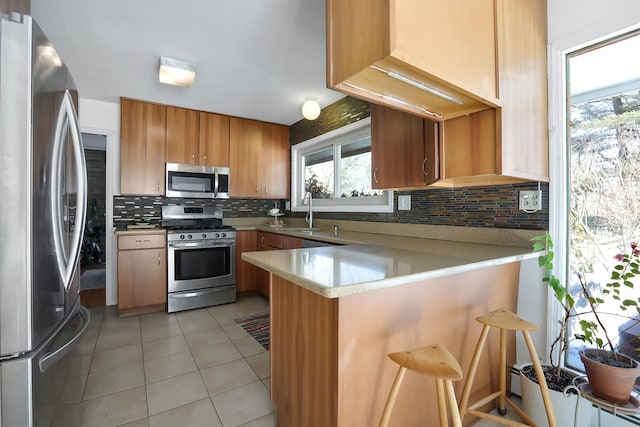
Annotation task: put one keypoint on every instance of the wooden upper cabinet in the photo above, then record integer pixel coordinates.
(258, 159)
(213, 147)
(20, 6)
(409, 49)
(182, 135)
(522, 43)
(276, 158)
(142, 147)
(245, 162)
(404, 149)
(197, 137)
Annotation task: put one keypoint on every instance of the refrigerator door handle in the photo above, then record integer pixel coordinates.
(67, 118)
(50, 359)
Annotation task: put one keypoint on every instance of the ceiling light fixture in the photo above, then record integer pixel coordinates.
(310, 108)
(176, 72)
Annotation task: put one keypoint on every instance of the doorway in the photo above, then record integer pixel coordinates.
(92, 260)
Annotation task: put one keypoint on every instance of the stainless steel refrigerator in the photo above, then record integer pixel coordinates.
(42, 214)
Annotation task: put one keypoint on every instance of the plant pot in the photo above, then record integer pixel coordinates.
(611, 383)
(564, 403)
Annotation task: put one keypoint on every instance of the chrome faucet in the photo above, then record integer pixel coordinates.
(308, 200)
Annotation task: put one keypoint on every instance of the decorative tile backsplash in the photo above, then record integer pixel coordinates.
(494, 207)
(132, 209)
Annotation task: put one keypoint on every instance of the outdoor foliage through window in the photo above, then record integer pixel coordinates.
(605, 200)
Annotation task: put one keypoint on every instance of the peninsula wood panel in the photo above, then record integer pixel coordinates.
(142, 147)
(246, 273)
(213, 139)
(182, 136)
(304, 331)
(327, 352)
(245, 162)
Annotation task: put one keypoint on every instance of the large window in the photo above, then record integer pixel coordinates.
(336, 169)
(604, 175)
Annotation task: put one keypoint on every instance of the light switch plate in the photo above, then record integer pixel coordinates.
(404, 203)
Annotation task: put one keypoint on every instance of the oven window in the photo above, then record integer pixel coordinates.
(202, 263)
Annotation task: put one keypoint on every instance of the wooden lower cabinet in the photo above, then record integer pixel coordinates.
(142, 273)
(267, 242)
(246, 273)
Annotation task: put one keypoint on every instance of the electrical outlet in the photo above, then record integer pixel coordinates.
(531, 201)
(404, 203)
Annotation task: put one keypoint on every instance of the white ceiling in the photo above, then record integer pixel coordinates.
(255, 58)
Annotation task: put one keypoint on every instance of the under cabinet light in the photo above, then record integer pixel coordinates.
(418, 85)
(396, 101)
(175, 72)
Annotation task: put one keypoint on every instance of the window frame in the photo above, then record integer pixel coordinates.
(338, 137)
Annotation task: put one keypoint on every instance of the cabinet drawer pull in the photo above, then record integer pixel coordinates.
(142, 240)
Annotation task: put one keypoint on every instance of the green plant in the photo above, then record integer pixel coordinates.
(592, 328)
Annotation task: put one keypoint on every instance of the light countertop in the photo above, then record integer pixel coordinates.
(370, 261)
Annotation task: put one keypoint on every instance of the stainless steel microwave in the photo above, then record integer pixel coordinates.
(194, 181)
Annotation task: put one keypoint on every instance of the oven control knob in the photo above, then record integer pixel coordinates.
(224, 234)
(182, 237)
(203, 236)
(217, 234)
(189, 236)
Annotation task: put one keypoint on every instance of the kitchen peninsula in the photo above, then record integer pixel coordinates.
(337, 311)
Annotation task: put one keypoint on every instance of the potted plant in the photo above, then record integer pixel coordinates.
(592, 329)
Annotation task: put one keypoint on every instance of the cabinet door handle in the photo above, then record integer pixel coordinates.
(257, 189)
(159, 258)
(424, 163)
(193, 155)
(375, 175)
(262, 241)
(265, 190)
(204, 157)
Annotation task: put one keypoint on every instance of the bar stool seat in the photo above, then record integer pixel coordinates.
(505, 321)
(434, 361)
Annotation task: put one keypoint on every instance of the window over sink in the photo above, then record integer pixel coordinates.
(336, 169)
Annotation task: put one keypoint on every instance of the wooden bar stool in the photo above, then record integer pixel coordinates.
(435, 361)
(505, 321)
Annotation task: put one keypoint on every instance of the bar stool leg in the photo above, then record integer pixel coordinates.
(442, 403)
(455, 415)
(466, 391)
(393, 395)
(502, 407)
(542, 382)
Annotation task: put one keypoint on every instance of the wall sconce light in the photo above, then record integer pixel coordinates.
(310, 109)
(175, 72)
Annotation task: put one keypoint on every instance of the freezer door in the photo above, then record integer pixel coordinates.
(43, 189)
(45, 388)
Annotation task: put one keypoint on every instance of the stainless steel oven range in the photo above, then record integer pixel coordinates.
(201, 252)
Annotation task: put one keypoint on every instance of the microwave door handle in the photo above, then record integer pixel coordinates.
(216, 183)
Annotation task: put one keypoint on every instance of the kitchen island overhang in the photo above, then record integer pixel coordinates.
(336, 312)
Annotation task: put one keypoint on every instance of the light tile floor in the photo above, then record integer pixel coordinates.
(193, 368)
(188, 369)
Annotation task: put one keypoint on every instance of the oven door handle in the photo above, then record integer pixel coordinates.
(199, 245)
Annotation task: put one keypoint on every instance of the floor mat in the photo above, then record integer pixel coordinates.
(257, 325)
(93, 279)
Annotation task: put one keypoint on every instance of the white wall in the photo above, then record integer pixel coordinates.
(103, 118)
